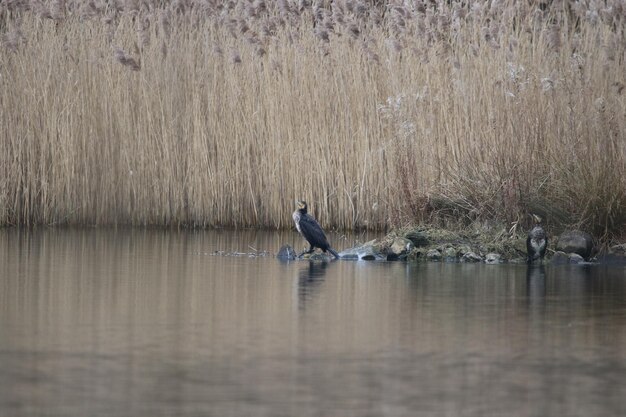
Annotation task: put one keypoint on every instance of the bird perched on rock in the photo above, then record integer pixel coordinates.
(537, 241)
(310, 229)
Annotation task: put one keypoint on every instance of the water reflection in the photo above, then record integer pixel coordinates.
(536, 282)
(310, 278)
(140, 322)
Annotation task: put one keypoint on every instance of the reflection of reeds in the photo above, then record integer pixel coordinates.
(374, 114)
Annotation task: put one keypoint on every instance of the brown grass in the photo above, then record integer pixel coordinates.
(197, 114)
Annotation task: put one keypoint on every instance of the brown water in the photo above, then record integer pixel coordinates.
(149, 323)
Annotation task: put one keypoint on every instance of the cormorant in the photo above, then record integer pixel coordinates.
(310, 229)
(537, 241)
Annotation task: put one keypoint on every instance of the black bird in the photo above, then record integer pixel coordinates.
(310, 229)
(537, 241)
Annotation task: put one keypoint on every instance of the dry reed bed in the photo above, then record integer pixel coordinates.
(206, 114)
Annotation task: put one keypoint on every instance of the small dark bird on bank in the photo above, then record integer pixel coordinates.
(537, 241)
(310, 229)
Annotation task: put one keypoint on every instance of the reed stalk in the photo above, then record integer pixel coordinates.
(379, 114)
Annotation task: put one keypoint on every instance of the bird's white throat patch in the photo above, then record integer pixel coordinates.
(537, 244)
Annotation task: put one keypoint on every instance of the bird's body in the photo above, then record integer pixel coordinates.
(310, 229)
(536, 242)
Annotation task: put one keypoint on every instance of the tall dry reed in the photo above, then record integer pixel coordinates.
(378, 113)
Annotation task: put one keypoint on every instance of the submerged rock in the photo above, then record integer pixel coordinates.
(286, 253)
(575, 241)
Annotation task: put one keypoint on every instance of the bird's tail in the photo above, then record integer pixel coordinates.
(334, 252)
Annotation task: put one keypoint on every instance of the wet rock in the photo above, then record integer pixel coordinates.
(493, 258)
(575, 241)
(433, 255)
(348, 255)
(368, 251)
(560, 258)
(471, 257)
(286, 253)
(319, 256)
(518, 260)
(419, 238)
(575, 258)
(399, 248)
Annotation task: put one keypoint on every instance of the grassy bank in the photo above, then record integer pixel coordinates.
(199, 114)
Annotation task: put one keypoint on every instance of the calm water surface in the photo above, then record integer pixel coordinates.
(149, 323)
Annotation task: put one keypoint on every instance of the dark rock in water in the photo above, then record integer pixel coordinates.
(419, 238)
(575, 241)
(493, 258)
(286, 253)
(471, 257)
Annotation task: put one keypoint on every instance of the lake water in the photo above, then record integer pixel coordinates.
(151, 323)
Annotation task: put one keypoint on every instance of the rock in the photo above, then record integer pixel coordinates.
(368, 251)
(417, 254)
(463, 249)
(575, 241)
(493, 258)
(471, 257)
(433, 255)
(350, 253)
(575, 258)
(319, 256)
(419, 238)
(559, 258)
(286, 253)
(449, 254)
(399, 248)
(518, 260)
